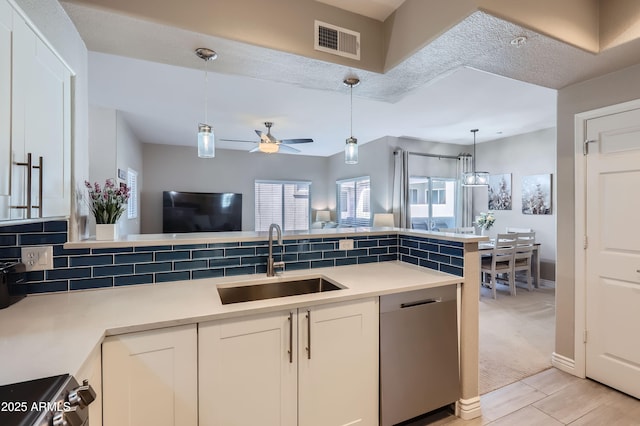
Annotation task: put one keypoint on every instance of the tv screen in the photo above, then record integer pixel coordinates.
(201, 212)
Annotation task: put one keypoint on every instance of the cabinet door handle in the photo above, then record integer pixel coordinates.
(290, 337)
(308, 334)
(40, 179)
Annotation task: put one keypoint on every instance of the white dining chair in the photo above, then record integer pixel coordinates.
(523, 256)
(467, 230)
(500, 262)
(509, 229)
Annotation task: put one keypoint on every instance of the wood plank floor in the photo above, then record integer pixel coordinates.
(551, 398)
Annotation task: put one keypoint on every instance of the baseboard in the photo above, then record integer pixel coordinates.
(563, 363)
(468, 409)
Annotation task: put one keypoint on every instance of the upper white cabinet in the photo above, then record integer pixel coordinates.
(35, 174)
(6, 25)
(315, 366)
(150, 378)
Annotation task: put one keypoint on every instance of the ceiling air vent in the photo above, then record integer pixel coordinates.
(336, 40)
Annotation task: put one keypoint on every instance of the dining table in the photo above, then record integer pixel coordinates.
(485, 248)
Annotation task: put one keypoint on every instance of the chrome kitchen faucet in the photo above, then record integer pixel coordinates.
(271, 264)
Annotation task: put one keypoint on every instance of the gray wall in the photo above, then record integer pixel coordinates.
(528, 154)
(178, 168)
(611, 89)
(113, 146)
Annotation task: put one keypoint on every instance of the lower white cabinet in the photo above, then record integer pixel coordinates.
(310, 366)
(150, 378)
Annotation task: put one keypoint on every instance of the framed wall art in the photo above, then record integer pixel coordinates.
(536, 194)
(500, 192)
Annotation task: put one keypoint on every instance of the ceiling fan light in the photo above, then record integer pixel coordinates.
(268, 147)
(351, 151)
(206, 141)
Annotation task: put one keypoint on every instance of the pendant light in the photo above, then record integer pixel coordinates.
(206, 137)
(475, 178)
(351, 146)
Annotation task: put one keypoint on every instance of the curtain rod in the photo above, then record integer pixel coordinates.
(451, 157)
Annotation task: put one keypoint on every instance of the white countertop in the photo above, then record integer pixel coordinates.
(137, 240)
(51, 334)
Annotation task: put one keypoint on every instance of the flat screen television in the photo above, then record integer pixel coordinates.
(201, 212)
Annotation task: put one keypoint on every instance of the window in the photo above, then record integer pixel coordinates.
(283, 202)
(132, 184)
(354, 204)
(438, 208)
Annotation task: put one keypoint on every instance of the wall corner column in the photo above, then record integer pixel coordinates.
(468, 406)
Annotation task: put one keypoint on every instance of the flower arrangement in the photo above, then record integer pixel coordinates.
(485, 220)
(107, 203)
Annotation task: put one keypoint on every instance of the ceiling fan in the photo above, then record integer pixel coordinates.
(269, 144)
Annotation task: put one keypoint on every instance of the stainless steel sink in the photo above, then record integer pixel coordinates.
(271, 290)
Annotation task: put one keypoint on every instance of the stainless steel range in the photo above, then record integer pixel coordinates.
(57, 401)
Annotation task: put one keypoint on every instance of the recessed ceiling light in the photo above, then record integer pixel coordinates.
(519, 41)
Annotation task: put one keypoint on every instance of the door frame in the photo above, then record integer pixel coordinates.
(579, 367)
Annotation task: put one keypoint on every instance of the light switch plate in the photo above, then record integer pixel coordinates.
(346, 244)
(37, 258)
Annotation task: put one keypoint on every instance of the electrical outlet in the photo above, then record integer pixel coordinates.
(346, 244)
(37, 258)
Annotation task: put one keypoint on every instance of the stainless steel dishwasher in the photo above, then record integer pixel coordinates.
(419, 368)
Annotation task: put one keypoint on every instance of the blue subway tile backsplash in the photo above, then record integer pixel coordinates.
(76, 269)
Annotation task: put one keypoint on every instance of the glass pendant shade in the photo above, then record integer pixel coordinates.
(351, 151)
(206, 138)
(206, 141)
(475, 178)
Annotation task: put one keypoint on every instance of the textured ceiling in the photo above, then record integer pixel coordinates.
(438, 94)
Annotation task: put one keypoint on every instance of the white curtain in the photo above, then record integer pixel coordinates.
(465, 163)
(400, 205)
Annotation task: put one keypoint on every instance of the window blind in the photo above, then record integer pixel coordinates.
(286, 203)
(132, 184)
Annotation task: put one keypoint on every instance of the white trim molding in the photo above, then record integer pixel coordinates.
(468, 409)
(565, 364)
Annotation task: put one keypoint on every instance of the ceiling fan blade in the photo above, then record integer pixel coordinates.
(290, 141)
(285, 148)
(237, 140)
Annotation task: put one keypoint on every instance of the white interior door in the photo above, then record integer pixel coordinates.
(613, 251)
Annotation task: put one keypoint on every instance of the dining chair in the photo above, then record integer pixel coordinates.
(509, 229)
(467, 230)
(452, 230)
(523, 256)
(501, 261)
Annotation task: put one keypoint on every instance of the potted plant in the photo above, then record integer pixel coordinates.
(485, 221)
(107, 204)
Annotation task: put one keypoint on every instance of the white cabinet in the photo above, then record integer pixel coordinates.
(6, 25)
(39, 116)
(315, 366)
(150, 378)
(246, 374)
(338, 379)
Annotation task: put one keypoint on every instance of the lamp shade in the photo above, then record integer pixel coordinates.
(323, 216)
(351, 151)
(206, 141)
(268, 147)
(475, 179)
(383, 219)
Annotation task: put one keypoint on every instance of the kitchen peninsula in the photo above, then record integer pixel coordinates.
(63, 332)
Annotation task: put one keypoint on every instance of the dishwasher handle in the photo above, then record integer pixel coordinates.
(419, 302)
